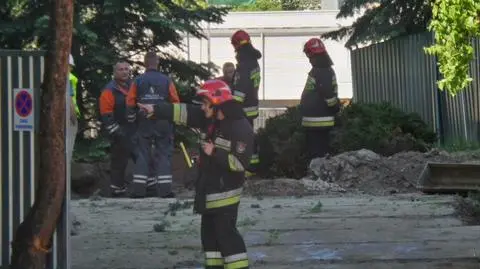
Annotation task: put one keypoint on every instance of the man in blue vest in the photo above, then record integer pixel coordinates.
(154, 137)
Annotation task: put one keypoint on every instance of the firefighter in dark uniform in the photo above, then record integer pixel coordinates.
(227, 145)
(114, 121)
(154, 138)
(246, 82)
(319, 102)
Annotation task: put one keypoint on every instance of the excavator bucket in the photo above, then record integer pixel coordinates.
(450, 178)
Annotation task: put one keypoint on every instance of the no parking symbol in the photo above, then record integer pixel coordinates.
(23, 102)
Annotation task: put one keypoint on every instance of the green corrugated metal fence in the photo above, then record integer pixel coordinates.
(19, 156)
(400, 72)
(462, 113)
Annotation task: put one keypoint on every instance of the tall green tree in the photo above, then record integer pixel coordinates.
(384, 19)
(454, 23)
(278, 5)
(107, 30)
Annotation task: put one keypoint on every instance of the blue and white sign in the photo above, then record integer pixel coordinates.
(23, 116)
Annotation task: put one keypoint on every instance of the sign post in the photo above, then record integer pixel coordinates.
(24, 116)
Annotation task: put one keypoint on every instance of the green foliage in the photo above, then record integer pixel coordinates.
(454, 23)
(282, 146)
(182, 133)
(91, 150)
(260, 5)
(278, 5)
(105, 31)
(459, 145)
(384, 19)
(381, 128)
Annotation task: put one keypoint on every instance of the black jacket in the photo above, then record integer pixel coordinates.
(221, 175)
(319, 102)
(247, 79)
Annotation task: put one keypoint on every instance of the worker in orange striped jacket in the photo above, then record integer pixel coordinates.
(113, 117)
(154, 138)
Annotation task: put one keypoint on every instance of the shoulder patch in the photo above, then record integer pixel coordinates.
(241, 146)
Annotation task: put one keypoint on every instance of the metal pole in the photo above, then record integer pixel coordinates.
(262, 36)
(66, 206)
(208, 42)
(188, 46)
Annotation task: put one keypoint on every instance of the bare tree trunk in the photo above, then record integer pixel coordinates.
(33, 236)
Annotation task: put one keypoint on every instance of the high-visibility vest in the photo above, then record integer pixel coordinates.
(73, 83)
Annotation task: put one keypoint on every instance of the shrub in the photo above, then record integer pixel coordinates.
(91, 150)
(282, 146)
(381, 128)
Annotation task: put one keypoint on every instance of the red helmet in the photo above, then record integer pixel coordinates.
(314, 46)
(240, 38)
(216, 91)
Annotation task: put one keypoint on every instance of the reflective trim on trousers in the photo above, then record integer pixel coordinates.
(151, 181)
(222, 199)
(213, 258)
(236, 261)
(112, 128)
(165, 179)
(131, 117)
(318, 121)
(117, 190)
(140, 179)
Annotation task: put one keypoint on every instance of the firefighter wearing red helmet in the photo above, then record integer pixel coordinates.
(319, 102)
(227, 145)
(247, 81)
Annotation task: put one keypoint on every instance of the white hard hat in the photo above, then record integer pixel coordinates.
(70, 60)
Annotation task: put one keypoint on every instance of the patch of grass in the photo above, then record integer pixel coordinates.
(317, 208)
(161, 227)
(177, 206)
(460, 145)
(467, 209)
(272, 237)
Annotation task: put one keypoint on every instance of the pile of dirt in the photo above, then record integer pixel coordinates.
(367, 172)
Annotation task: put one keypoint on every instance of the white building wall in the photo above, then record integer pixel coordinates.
(280, 37)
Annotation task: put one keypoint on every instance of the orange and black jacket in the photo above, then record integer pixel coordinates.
(112, 107)
(152, 87)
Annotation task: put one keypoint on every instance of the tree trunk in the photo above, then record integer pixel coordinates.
(33, 236)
